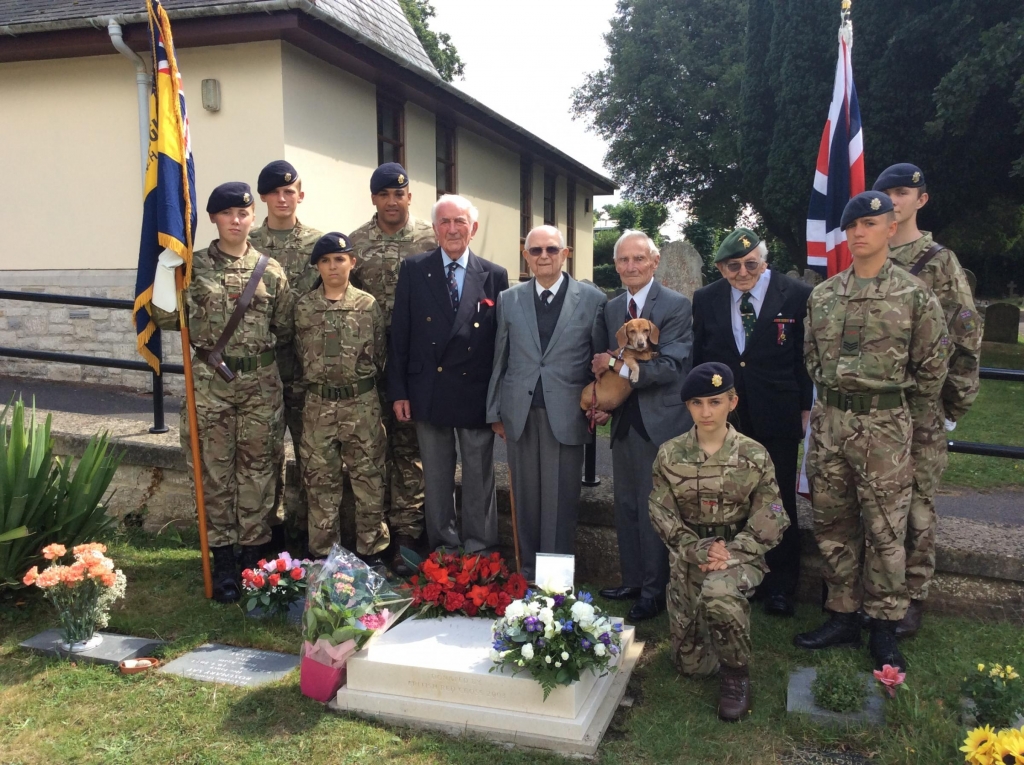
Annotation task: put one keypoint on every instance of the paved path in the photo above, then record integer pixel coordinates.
(1003, 506)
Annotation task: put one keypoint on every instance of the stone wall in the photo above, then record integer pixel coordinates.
(102, 332)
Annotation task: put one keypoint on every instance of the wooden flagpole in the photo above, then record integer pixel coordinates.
(193, 431)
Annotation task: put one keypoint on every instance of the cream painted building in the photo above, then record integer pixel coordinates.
(335, 87)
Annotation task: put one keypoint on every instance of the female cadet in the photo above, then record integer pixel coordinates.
(716, 505)
(239, 404)
(339, 336)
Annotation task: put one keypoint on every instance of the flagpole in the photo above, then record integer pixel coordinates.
(193, 433)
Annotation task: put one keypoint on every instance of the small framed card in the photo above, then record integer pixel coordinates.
(555, 573)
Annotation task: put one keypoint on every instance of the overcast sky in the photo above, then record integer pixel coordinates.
(523, 59)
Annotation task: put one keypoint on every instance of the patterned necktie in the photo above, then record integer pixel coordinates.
(748, 315)
(545, 297)
(632, 309)
(453, 286)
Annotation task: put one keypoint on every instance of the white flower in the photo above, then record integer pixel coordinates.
(527, 651)
(546, 616)
(520, 662)
(565, 656)
(549, 602)
(533, 607)
(515, 610)
(558, 664)
(599, 649)
(583, 613)
(547, 659)
(495, 656)
(551, 629)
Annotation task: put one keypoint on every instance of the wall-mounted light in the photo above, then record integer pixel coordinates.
(211, 95)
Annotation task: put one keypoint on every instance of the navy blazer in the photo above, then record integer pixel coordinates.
(771, 379)
(441, 362)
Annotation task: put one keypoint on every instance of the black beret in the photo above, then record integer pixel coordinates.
(328, 244)
(708, 379)
(233, 194)
(867, 204)
(275, 175)
(390, 175)
(903, 174)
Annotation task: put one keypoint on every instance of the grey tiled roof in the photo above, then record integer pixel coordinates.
(381, 21)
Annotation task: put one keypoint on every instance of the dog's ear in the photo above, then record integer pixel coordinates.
(654, 332)
(620, 336)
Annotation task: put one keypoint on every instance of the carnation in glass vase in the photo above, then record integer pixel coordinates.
(81, 589)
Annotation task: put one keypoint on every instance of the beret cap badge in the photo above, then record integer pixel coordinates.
(288, 177)
(746, 242)
(246, 197)
(716, 380)
(876, 204)
(916, 177)
(401, 178)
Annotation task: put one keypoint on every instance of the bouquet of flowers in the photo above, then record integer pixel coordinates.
(555, 637)
(984, 746)
(347, 603)
(82, 591)
(274, 585)
(474, 585)
(997, 693)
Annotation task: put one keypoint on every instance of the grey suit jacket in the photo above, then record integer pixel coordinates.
(661, 379)
(563, 369)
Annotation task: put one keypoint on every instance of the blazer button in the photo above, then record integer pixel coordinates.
(428, 318)
(742, 364)
(529, 392)
(439, 369)
(476, 324)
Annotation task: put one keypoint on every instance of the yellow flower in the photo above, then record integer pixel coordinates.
(981, 667)
(979, 746)
(1010, 742)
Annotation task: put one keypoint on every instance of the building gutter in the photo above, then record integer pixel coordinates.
(142, 83)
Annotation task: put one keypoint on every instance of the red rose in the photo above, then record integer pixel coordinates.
(453, 601)
(258, 580)
(282, 565)
(432, 593)
(274, 579)
(296, 574)
(261, 562)
(247, 575)
(471, 609)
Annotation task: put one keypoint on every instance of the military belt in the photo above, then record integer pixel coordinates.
(862, 403)
(332, 393)
(238, 363)
(726, 531)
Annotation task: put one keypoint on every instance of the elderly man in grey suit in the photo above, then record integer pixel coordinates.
(653, 413)
(542, 361)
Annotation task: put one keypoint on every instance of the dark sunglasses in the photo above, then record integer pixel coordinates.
(550, 250)
(734, 266)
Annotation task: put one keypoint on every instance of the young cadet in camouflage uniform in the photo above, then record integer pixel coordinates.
(339, 335)
(239, 421)
(717, 506)
(876, 346)
(379, 247)
(284, 238)
(915, 251)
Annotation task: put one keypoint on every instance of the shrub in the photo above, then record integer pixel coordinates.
(997, 692)
(607, 277)
(838, 686)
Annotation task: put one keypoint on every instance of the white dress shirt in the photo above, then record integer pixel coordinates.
(641, 298)
(554, 288)
(756, 300)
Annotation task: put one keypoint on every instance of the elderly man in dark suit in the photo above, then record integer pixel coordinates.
(542, 362)
(753, 320)
(439, 366)
(653, 413)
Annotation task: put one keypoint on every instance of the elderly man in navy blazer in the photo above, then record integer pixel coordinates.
(753, 320)
(439, 366)
(653, 413)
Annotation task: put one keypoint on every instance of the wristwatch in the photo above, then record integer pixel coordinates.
(611, 363)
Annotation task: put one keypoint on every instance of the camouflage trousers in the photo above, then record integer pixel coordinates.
(929, 455)
(294, 400)
(403, 487)
(239, 437)
(860, 473)
(709, 616)
(349, 432)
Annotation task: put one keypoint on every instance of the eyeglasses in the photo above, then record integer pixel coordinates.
(550, 250)
(735, 266)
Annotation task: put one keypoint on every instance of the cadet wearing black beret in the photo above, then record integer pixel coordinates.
(390, 175)
(902, 174)
(278, 173)
(709, 379)
(328, 244)
(232, 194)
(867, 204)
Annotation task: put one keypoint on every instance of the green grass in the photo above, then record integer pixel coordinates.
(56, 712)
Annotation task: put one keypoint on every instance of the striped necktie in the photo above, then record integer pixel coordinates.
(748, 315)
(453, 286)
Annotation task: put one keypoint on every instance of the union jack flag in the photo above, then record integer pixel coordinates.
(839, 174)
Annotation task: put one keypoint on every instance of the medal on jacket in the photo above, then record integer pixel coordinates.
(780, 327)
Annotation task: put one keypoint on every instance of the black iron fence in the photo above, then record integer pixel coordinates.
(590, 450)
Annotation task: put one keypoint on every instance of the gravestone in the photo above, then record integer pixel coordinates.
(1002, 323)
(247, 667)
(113, 650)
(799, 698)
(680, 268)
(811, 277)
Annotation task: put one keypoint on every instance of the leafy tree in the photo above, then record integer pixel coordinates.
(648, 217)
(438, 46)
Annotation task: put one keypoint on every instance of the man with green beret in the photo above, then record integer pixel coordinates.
(379, 246)
(916, 252)
(339, 336)
(876, 346)
(284, 238)
(753, 321)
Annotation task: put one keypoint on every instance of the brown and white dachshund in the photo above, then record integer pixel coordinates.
(636, 339)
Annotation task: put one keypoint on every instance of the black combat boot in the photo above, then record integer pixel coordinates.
(734, 693)
(225, 575)
(882, 645)
(911, 623)
(251, 556)
(840, 629)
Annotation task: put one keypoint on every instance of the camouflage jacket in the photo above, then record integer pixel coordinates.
(292, 253)
(339, 342)
(378, 256)
(735, 485)
(217, 282)
(946, 278)
(889, 336)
